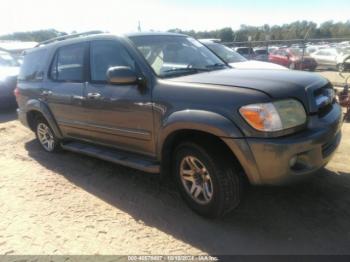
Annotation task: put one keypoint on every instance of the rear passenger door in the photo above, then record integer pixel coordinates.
(63, 90)
(117, 115)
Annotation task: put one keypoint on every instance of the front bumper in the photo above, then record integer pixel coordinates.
(269, 161)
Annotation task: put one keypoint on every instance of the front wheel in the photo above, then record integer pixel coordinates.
(46, 137)
(210, 185)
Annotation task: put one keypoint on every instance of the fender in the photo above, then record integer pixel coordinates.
(37, 105)
(200, 120)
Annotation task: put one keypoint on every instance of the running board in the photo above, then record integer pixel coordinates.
(113, 155)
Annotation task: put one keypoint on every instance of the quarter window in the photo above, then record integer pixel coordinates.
(33, 65)
(106, 54)
(68, 64)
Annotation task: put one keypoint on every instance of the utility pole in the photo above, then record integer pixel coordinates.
(304, 46)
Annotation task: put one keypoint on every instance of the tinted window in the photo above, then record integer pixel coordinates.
(68, 64)
(261, 52)
(33, 65)
(106, 54)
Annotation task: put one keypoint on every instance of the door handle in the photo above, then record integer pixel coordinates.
(94, 95)
(46, 93)
(78, 97)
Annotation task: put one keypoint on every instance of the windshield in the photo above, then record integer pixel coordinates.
(176, 55)
(7, 60)
(226, 53)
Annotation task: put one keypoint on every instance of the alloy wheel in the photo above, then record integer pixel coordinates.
(196, 180)
(45, 137)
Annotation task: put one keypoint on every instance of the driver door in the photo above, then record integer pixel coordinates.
(120, 116)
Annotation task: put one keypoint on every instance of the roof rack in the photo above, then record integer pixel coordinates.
(61, 38)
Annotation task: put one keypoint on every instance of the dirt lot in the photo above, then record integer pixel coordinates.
(334, 77)
(71, 204)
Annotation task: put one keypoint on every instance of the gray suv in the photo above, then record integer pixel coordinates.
(164, 103)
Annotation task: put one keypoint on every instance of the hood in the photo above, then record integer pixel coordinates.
(8, 71)
(278, 84)
(256, 65)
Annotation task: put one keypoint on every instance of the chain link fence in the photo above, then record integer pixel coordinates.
(302, 44)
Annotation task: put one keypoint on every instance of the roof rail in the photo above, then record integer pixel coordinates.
(64, 37)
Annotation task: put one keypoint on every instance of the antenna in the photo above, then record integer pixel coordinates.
(139, 27)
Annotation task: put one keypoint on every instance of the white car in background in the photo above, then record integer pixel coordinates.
(9, 68)
(332, 58)
(236, 60)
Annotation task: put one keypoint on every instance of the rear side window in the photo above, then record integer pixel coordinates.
(33, 66)
(105, 54)
(68, 64)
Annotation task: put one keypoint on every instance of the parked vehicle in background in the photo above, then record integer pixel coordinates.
(236, 60)
(292, 58)
(9, 68)
(272, 48)
(247, 52)
(314, 48)
(162, 102)
(332, 58)
(344, 44)
(261, 54)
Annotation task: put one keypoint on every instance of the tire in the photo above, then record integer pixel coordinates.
(341, 67)
(225, 180)
(46, 137)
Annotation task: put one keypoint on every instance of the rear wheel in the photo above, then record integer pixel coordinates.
(341, 67)
(210, 185)
(46, 137)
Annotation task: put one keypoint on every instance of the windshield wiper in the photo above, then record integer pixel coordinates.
(184, 70)
(216, 66)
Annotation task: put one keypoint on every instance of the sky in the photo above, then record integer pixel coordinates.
(120, 16)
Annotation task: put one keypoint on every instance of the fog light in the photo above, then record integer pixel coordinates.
(293, 161)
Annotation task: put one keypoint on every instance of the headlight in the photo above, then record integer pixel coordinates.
(275, 116)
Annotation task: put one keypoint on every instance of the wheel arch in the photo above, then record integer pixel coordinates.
(203, 127)
(35, 108)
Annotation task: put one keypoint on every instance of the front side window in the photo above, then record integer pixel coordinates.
(176, 55)
(105, 54)
(68, 64)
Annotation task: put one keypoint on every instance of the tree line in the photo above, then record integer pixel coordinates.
(295, 30)
(35, 36)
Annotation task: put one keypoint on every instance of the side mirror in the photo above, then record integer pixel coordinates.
(121, 75)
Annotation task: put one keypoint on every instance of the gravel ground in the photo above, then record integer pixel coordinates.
(334, 77)
(67, 203)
